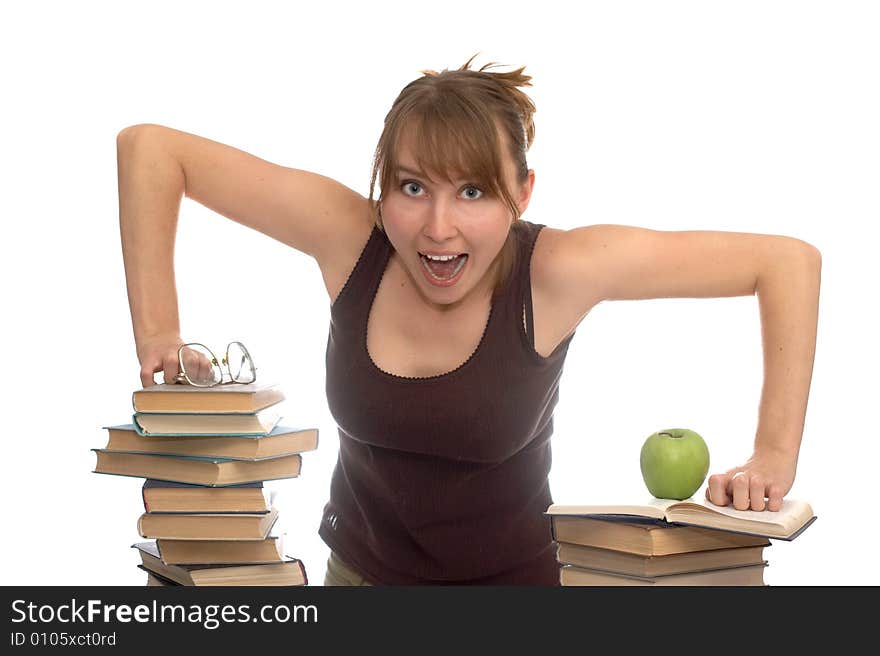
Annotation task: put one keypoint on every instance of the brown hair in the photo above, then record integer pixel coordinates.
(455, 117)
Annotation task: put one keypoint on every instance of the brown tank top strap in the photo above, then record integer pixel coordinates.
(364, 279)
(526, 234)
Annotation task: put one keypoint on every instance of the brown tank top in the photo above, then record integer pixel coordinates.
(444, 479)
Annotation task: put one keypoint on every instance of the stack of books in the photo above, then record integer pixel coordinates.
(668, 542)
(205, 454)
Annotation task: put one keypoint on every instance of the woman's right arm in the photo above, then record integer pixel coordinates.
(158, 165)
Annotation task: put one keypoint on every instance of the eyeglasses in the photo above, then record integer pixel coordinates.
(200, 367)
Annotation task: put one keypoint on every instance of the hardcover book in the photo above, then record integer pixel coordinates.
(232, 397)
(192, 469)
(290, 572)
(172, 497)
(215, 526)
(282, 440)
(222, 552)
(621, 562)
(257, 424)
(645, 536)
(155, 580)
(738, 576)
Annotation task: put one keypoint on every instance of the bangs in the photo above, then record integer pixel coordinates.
(450, 139)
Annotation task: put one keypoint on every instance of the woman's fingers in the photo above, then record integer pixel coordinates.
(747, 491)
(739, 484)
(205, 373)
(756, 492)
(716, 491)
(158, 353)
(774, 494)
(198, 366)
(170, 366)
(147, 372)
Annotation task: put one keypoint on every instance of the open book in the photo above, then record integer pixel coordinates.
(784, 524)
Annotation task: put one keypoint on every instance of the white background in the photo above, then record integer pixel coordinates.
(749, 117)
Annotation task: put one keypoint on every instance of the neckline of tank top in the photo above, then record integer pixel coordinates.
(496, 296)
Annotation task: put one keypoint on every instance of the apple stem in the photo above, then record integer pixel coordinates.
(670, 435)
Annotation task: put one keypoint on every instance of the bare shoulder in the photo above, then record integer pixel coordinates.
(547, 243)
(585, 265)
(559, 303)
(554, 259)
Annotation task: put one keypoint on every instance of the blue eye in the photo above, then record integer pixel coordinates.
(407, 187)
(479, 192)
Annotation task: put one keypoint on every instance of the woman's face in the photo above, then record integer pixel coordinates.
(448, 236)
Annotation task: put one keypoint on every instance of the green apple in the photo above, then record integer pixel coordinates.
(674, 463)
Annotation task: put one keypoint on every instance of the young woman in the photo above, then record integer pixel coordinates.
(450, 320)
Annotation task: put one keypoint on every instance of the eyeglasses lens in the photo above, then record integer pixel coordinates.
(200, 365)
(241, 367)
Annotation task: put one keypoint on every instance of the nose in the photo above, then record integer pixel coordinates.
(441, 224)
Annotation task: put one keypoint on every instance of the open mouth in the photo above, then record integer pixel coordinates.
(445, 267)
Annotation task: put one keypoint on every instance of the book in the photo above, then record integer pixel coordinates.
(155, 580)
(232, 397)
(290, 572)
(646, 537)
(621, 562)
(202, 526)
(738, 576)
(193, 469)
(222, 552)
(281, 440)
(167, 496)
(784, 524)
(256, 424)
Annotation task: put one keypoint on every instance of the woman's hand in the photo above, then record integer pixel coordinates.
(159, 353)
(766, 474)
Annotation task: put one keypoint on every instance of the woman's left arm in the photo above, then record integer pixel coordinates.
(788, 295)
(580, 268)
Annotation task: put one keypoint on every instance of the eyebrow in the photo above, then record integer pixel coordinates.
(421, 174)
(409, 171)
